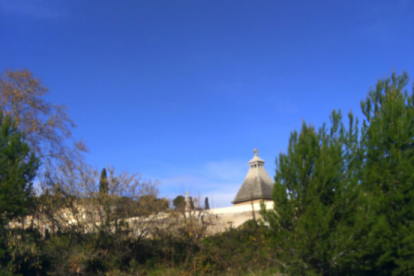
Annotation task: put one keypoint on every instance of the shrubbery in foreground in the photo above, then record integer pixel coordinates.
(235, 251)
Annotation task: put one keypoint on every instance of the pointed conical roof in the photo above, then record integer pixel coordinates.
(257, 184)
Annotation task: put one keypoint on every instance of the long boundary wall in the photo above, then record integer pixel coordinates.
(232, 217)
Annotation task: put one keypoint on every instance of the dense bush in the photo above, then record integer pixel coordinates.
(246, 247)
(237, 250)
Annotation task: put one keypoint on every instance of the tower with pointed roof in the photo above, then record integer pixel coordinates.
(257, 185)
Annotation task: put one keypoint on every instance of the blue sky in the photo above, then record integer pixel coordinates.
(182, 91)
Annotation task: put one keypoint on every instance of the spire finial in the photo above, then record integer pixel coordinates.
(255, 152)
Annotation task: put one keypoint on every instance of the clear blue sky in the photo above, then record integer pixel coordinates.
(183, 90)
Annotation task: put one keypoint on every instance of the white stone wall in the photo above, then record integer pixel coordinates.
(216, 220)
(222, 219)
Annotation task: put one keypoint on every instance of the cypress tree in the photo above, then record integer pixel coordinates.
(103, 183)
(191, 203)
(206, 204)
(103, 192)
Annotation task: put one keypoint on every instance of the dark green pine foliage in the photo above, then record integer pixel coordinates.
(103, 192)
(388, 178)
(103, 183)
(179, 203)
(344, 202)
(191, 203)
(315, 197)
(206, 204)
(18, 166)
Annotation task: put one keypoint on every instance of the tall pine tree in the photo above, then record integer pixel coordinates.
(344, 202)
(388, 177)
(315, 197)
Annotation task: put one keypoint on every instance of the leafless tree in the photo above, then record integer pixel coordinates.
(47, 127)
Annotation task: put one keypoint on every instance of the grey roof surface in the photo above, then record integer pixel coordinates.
(256, 159)
(257, 184)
